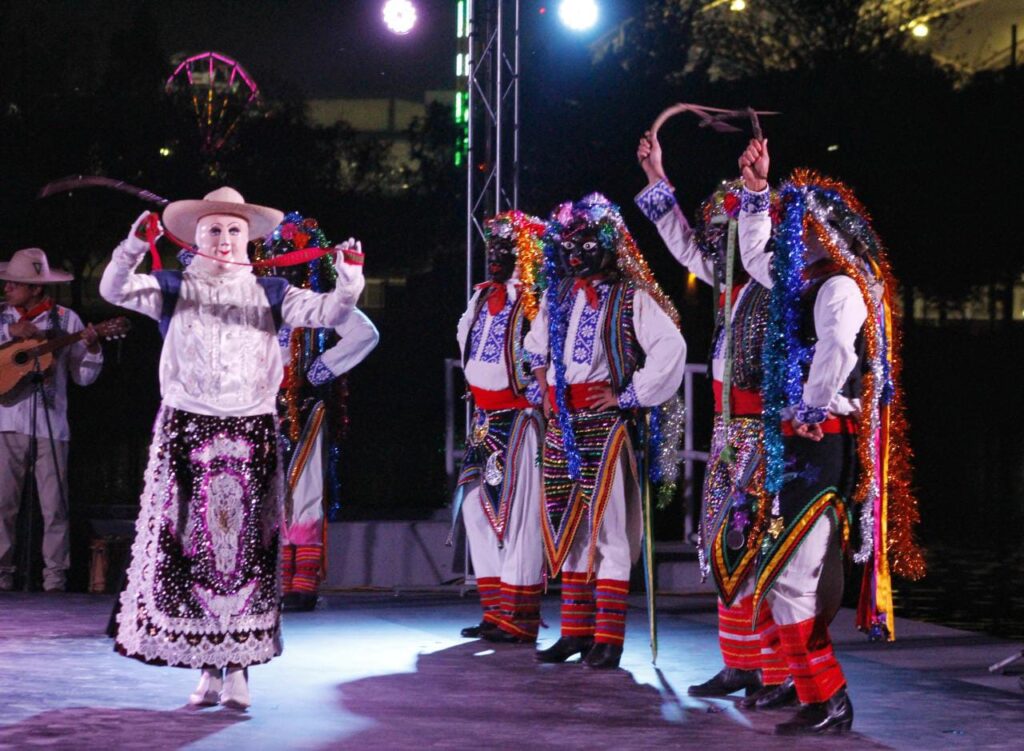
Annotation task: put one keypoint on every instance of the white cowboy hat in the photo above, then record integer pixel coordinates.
(29, 266)
(180, 217)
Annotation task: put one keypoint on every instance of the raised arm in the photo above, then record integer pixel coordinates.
(658, 203)
(302, 307)
(755, 228)
(120, 284)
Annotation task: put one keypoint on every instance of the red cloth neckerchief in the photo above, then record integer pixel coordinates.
(584, 283)
(496, 297)
(28, 315)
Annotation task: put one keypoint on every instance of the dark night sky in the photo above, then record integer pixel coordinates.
(326, 49)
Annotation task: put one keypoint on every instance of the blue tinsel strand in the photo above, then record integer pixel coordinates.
(558, 325)
(784, 354)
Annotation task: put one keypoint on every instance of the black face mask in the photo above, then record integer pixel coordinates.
(501, 259)
(582, 255)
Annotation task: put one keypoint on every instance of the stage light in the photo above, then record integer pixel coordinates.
(399, 16)
(164, 151)
(832, 147)
(578, 15)
(738, 5)
(919, 29)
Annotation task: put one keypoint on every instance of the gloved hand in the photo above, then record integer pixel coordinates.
(348, 262)
(136, 243)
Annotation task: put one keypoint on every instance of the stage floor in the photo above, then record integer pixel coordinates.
(380, 671)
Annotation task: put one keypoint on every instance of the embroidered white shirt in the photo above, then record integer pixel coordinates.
(584, 355)
(221, 355)
(482, 341)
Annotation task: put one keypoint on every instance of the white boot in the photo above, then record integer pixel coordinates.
(235, 693)
(207, 693)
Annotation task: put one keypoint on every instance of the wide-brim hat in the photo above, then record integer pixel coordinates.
(180, 217)
(30, 266)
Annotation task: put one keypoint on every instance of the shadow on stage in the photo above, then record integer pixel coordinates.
(479, 695)
(115, 728)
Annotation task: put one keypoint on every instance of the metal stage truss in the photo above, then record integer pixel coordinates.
(488, 68)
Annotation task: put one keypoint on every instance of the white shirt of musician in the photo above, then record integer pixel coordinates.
(74, 360)
(221, 355)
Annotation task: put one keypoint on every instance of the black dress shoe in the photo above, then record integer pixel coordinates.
(501, 636)
(603, 656)
(834, 715)
(771, 697)
(564, 648)
(728, 681)
(477, 631)
(299, 602)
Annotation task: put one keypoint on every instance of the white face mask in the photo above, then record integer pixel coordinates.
(221, 240)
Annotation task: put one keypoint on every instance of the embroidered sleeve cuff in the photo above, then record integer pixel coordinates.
(284, 335)
(755, 203)
(628, 398)
(538, 361)
(319, 374)
(533, 394)
(656, 200)
(811, 415)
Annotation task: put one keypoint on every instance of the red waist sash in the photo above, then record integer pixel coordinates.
(833, 425)
(577, 396)
(742, 403)
(503, 399)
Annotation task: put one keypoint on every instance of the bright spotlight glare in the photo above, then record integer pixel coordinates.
(737, 5)
(578, 15)
(399, 16)
(919, 29)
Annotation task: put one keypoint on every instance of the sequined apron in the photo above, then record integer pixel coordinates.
(492, 459)
(600, 437)
(818, 477)
(733, 517)
(203, 583)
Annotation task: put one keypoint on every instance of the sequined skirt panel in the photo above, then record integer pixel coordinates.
(817, 478)
(494, 459)
(733, 517)
(600, 438)
(203, 585)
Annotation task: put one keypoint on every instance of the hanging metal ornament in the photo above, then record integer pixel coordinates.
(494, 473)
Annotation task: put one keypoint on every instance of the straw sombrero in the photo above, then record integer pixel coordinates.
(30, 266)
(180, 217)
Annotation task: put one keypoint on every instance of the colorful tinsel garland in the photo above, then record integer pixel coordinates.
(597, 211)
(827, 210)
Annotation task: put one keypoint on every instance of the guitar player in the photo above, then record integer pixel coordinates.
(29, 312)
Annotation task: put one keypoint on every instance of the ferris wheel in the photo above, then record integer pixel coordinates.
(220, 92)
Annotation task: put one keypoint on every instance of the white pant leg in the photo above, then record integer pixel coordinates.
(618, 539)
(811, 583)
(51, 480)
(523, 559)
(13, 461)
(483, 544)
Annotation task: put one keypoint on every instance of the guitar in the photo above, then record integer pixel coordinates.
(18, 359)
